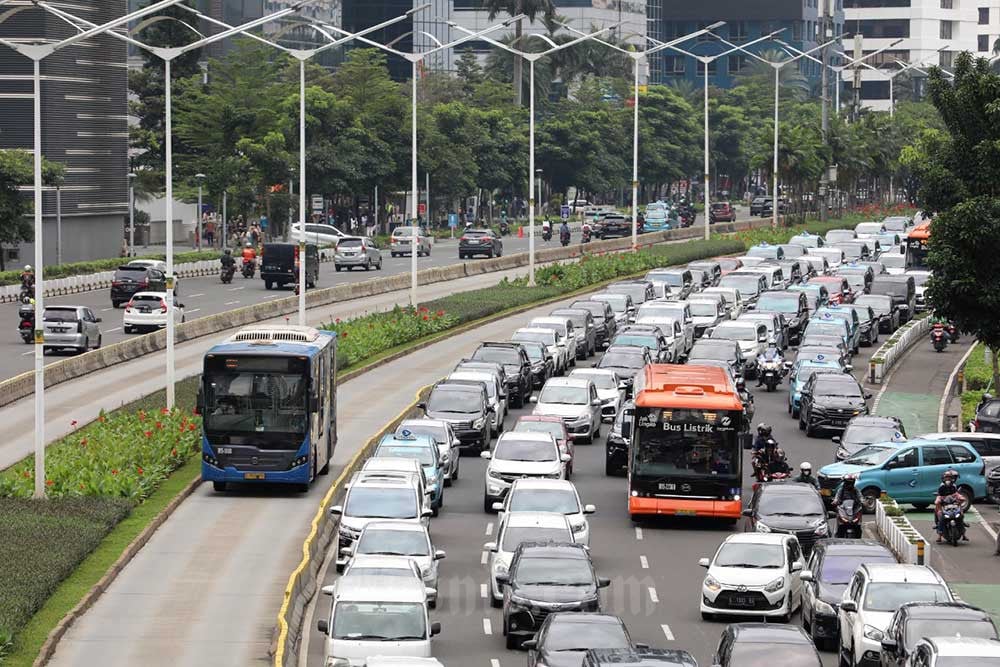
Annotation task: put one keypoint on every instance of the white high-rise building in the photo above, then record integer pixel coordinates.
(933, 32)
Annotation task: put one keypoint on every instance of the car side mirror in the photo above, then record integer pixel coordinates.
(336, 510)
(490, 546)
(704, 562)
(849, 606)
(98, 319)
(589, 509)
(422, 406)
(848, 368)
(626, 431)
(796, 566)
(426, 514)
(323, 626)
(868, 395)
(497, 507)
(762, 339)
(313, 403)
(831, 515)
(440, 554)
(485, 455)
(435, 628)
(533, 399)
(603, 582)
(888, 644)
(502, 579)
(199, 402)
(747, 512)
(641, 646)
(347, 551)
(565, 458)
(596, 402)
(622, 386)
(530, 644)
(806, 575)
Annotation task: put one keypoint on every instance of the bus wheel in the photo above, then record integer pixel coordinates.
(220, 487)
(302, 488)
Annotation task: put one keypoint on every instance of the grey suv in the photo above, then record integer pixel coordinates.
(71, 326)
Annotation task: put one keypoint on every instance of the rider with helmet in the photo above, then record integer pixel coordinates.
(805, 475)
(249, 254)
(778, 463)
(227, 259)
(948, 488)
(762, 442)
(27, 278)
(772, 353)
(848, 491)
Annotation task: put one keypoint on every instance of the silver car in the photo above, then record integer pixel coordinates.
(71, 326)
(402, 239)
(400, 538)
(359, 251)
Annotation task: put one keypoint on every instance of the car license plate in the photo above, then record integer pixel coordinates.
(685, 512)
(742, 601)
(253, 475)
(60, 329)
(667, 486)
(824, 492)
(144, 310)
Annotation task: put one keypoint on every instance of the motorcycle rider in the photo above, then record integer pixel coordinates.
(947, 488)
(564, 233)
(778, 463)
(227, 259)
(805, 475)
(847, 491)
(249, 254)
(772, 353)
(27, 279)
(763, 442)
(546, 229)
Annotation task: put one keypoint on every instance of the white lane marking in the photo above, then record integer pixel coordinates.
(230, 303)
(487, 627)
(192, 310)
(236, 289)
(638, 533)
(110, 330)
(489, 528)
(195, 296)
(667, 633)
(482, 591)
(984, 523)
(643, 562)
(494, 662)
(274, 296)
(27, 353)
(104, 310)
(652, 594)
(482, 559)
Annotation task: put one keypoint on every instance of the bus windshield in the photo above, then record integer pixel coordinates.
(255, 395)
(684, 443)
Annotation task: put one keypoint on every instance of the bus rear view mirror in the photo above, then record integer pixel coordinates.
(313, 403)
(199, 405)
(626, 430)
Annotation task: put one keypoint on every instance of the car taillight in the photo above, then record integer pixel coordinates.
(163, 306)
(464, 238)
(25, 324)
(144, 283)
(128, 307)
(975, 424)
(79, 327)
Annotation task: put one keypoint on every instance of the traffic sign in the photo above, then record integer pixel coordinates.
(317, 203)
(453, 220)
(564, 211)
(421, 208)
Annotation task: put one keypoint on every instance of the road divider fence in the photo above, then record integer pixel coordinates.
(893, 349)
(899, 534)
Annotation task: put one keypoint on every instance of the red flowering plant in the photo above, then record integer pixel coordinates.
(120, 454)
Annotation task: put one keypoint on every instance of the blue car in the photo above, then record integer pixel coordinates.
(801, 371)
(408, 445)
(908, 471)
(656, 220)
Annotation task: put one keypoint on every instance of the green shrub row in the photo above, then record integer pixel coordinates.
(98, 265)
(978, 373)
(43, 542)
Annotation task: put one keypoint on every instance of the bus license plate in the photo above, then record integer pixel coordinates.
(667, 486)
(685, 512)
(253, 475)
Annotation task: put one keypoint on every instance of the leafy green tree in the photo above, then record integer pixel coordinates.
(531, 9)
(16, 170)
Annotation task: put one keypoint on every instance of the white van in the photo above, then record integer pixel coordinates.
(377, 616)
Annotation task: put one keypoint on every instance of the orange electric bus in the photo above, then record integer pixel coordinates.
(686, 434)
(916, 246)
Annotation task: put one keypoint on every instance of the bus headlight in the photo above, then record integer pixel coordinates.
(296, 462)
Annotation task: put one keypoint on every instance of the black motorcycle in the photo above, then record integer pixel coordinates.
(952, 520)
(249, 267)
(849, 519)
(585, 234)
(504, 228)
(546, 234)
(227, 273)
(26, 317)
(564, 238)
(939, 337)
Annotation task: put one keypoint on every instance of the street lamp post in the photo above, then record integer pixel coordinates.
(131, 214)
(538, 180)
(705, 61)
(850, 62)
(59, 243)
(199, 177)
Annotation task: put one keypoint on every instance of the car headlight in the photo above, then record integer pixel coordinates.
(493, 473)
(762, 528)
(775, 585)
(479, 422)
(582, 419)
(823, 607)
(873, 633)
(842, 453)
(499, 567)
(579, 528)
(521, 602)
(712, 584)
(821, 527)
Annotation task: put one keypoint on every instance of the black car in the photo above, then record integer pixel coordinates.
(279, 264)
(638, 657)
(792, 304)
(615, 225)
(757, 205)
(830, 400)
(885, 309)
(988, 417)
(565, 638)
(863, 430)
(868, 321)
(583, 327)
(466, 408)
(859, 276)
(903, 291)
(546, 578)
(131, 279)
(718, 349)
(825, 579)
(759, 644)
(517, 365)
(543, 365)
(604, 320)
(625, 360)
(616, 446)
(709, 266)
(916, 620)
(479, 242)
(793, 508)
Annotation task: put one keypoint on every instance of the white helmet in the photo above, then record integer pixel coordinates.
(27, 267)
(806, 466)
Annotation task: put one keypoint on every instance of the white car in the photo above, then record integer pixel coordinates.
(520, 454)
(319, 234)
(380, 566)
(516, 528)
(550, 339)
(894, 262)
(751, 336)
(551, 495)
(399, 538)
(444, 436)
(400, 661)
(148, 310)
(576, 401)
(873, 595)
(670, 326)
(678, 310)
(834, 256)
(753, 574)
(733, 299)
(564, 327)
(610, 389)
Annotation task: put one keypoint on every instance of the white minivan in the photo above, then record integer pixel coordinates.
(373, 615)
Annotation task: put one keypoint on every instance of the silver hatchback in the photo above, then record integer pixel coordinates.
(73, 327)
(358, 251)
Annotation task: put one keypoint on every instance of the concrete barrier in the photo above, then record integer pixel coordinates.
(899, 534)
(893, 349)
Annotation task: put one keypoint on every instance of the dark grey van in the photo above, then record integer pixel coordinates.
(903, 291)
(277, 264)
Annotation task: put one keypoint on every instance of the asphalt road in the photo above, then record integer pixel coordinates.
(656, 579)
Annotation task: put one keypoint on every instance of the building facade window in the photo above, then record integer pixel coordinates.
(797, 31)
(946, 58)
(886, 58)
(673, 65)
(880, 28)
(983, 43)
(984, 16)
(738, 31)
(946, 30)
(947, 4)
(874, 90)
(712, 67)
(738, 63)
(868, 4)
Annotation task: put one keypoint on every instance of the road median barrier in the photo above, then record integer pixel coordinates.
(896, 531)
(892, 350)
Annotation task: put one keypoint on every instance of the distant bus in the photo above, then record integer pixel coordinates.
(268, 402)
(916, 246)
(686, 435)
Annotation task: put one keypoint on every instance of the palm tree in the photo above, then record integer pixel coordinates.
(531, 9)
(687, 89)
(790, 79)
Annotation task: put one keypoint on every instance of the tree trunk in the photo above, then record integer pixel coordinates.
(518, 62)
(996, 368)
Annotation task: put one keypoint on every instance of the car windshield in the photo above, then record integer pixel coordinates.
(423, 454)
(790, 504)
(855, 279)
(704, 309)
(747, 554)
(826, 328)
(804, 373)
(420, 427)
(554, 393)
(401, 231)
(597, 310)
(618, 302)
(558, 328)
(368, 502)
(736, 333)
(563, 501)
(728, 264)
(780, 302)
(839, 235)
(372, 571)
(536, 352)
(543, 337)
(889, 595)
(554, 572)
(867, 434)
(570, 636)
(556, 430)
(600, 380)
(871, 456)
(918, 628)
(501, 355)
(919, 278)
(747, 286)
(644, 340)
(577, 319)
(349, 243)
(893, 260)
(670, 278)
(379, 621)
(388, 542)
(138, 298)
(515, 536)
(838, 570)
(966, 661)
(60, 315)
(510, 449)
(818, 353)
(246, 399)
(460, 402)
(621, 360)
(838, 384)
(717, 352)
(763, 655)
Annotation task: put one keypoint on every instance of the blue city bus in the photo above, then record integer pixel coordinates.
(268, 402)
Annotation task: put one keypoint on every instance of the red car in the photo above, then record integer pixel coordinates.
(839, 289)
(722, 211)
(555, 427)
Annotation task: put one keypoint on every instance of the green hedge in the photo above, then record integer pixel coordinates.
(43, 541)
(97, 265)
(978, 373)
